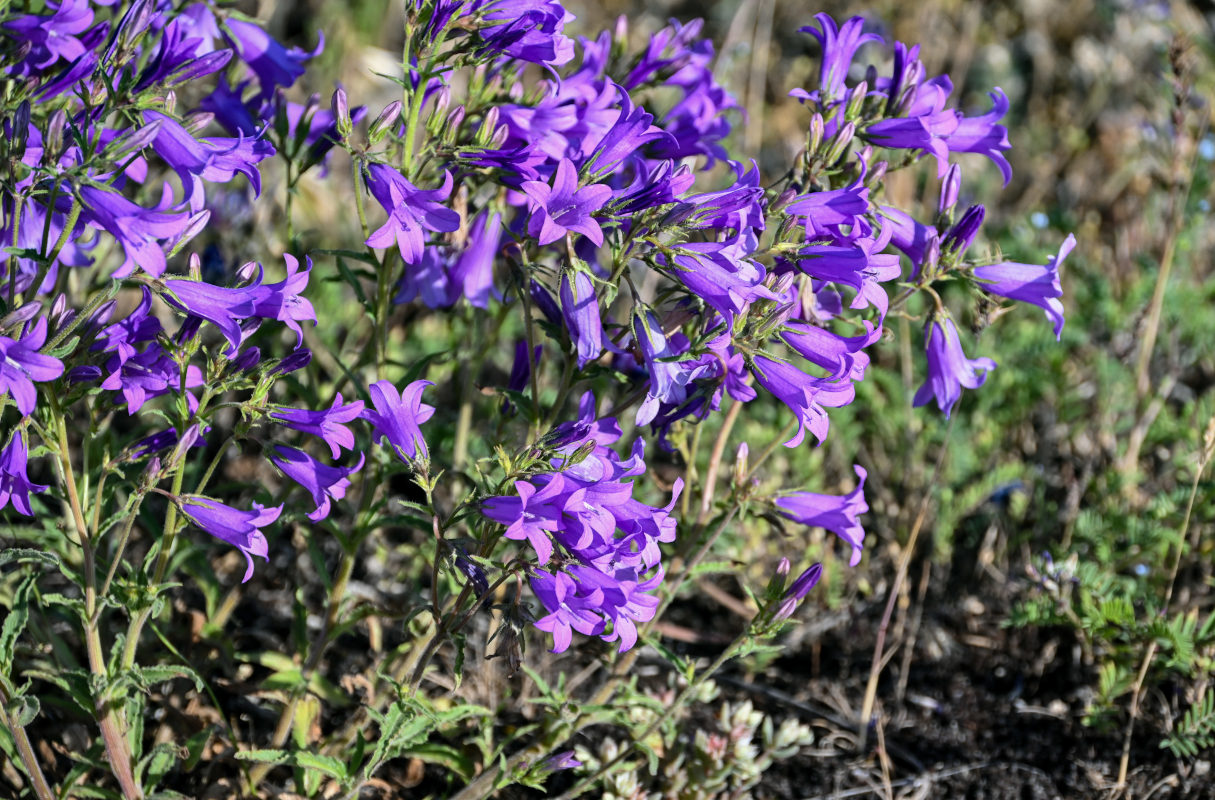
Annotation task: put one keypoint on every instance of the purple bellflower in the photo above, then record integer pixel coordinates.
(838, 514)
(410, 210)
(948, 367)
(212, 160)
(273, 64)
(567, 610)
(564, 208)
(324, 483)
(15, 486)
(580, 308)
(398, 417)
(329, 424)
(1030, 283)
(983, 136)
(21, 366)
(240, 529)
(839, 44)
(139, 230)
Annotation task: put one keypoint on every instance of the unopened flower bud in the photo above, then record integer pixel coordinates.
(856, 100)
(949, 189)
(297, 360)
(54, 136)
(840, 143)
(20, 315)
(741, 465)
(21, 126)
(61, 313)
(455, 119)
(784, 199)
(815, 139)
(876, 173)
(341, 112)
(247, 360)
(383, 123)
(964, 230)
(248, 271)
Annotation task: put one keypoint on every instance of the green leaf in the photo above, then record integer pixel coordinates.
(19, 555)
(24, 709)
(445, 755)
(328, 765)
(167, 672)
(14, 622)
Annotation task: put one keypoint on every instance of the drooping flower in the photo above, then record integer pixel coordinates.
(398, 417)
(837, 513)
(241, 529)
(580, 308)
(561, 208)
(529, 30)
(1030, 283)
(222, 306)
(141, 232)
(804, 395)
(211, 160)
(324, 483)
(410, 210)
(273, 64)
(283, 300)
(21, 366)
(983, 135)
(948, 367)
(328, 424)
(15, 485)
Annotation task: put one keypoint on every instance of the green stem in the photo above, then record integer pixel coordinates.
(112, 734)
(122, 544)
(131, 646)
(42, 789)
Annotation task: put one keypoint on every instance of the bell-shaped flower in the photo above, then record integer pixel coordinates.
(983, 136)
(568, 610)
(1030, 283)
(211, 160)
(241, 529)
(948, 367)
(410, 211)
(273, 64)
(398, 417)
(837, 513)
(283, 301)
(328, 424)
(580, 309)
(564, 208)
(839, 45)
(21, 366)
(530, 514)
(15, 485)
(140, 231)
(324, 483)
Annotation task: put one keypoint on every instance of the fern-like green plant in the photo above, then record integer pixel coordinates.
(1196, 731)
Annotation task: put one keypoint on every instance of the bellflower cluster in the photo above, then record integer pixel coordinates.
(574, 207)
(597, 548)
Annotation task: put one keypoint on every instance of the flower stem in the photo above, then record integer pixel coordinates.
(112, 733)
(42, 789)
